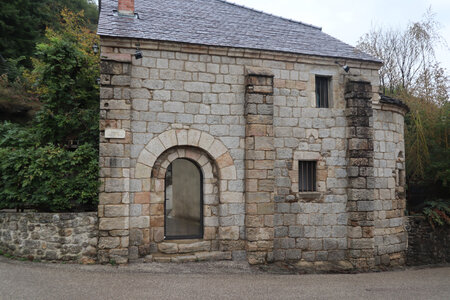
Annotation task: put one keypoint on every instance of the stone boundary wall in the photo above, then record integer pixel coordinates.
(427, 245)
(50, 236)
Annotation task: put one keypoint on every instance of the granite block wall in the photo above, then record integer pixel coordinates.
(389, 186)
(252, 116)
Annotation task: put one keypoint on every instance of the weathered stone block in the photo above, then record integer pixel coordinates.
(194, 247)
(116, 211)
(109, 242)
(110, 68)
(229, 233)
(114, 223)
(169, 248)
(296, 231)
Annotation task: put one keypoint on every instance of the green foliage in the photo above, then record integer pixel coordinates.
(12, 68)
(418, 147)
(39, 168)
(412, 73)
(438, 212)
(12, 85)
(16, 104)
(48, 178)
(65, 74)
(427, 150)
(15, 136)
(113, 263)
(23, 23)
(12, 91)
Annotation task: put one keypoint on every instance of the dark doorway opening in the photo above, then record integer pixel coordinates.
(183, 205)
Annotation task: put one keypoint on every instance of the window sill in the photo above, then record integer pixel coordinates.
(310, 197)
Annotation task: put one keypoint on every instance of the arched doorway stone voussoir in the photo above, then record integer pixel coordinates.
(185, 137)
(215, 162)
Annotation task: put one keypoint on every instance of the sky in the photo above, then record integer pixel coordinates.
(348, 20)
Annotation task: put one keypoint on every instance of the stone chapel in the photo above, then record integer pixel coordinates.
(229, 133)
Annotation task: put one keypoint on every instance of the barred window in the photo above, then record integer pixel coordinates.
(322, 91)
(307, 176)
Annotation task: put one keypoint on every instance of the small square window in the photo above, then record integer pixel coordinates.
(307, 176)
(322, 91)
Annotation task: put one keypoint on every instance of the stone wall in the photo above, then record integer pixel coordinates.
(389, 185)
(259, 162)
(252, 115)
(360, 171)
(115, 113)
(50, 236)
(425, 244)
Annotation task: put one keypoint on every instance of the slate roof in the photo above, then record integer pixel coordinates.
(220, 23)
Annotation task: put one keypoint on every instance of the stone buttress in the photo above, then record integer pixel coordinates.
(360, 205)
(259, 165)
(115, 143)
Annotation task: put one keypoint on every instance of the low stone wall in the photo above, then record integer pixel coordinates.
(50, 236)
(425, 244)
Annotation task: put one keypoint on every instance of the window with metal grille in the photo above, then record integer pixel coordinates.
(307, 176)
(322, 91)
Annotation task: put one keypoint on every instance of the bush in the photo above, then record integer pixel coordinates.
(427, 151)
(437, 212)
(65, 79)
(14, 135)
(39, 167)
(49, 178)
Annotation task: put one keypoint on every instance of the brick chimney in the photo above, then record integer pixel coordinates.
(126, 7)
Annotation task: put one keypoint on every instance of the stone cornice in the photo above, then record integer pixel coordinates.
(127, 43)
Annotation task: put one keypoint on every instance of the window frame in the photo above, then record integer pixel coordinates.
(308, 168)
(322, 89)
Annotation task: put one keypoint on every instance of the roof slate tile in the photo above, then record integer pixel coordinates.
(220, 23)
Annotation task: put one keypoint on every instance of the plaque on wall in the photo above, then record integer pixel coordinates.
(114, 133)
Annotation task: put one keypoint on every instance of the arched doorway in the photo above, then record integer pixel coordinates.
(183, 204)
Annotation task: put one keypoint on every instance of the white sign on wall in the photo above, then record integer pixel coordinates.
(114, 133)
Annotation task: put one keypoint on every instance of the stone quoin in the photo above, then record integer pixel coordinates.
(296, 158)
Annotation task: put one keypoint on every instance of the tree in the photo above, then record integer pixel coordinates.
(23, 23)
(412, 73)
(39, 167)
(410, 63)
(65, 74)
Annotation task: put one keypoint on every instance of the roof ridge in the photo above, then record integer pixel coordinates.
(269, 14)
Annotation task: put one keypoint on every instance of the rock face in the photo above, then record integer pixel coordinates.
(50, 236)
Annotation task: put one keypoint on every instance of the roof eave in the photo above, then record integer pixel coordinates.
(348, 58)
